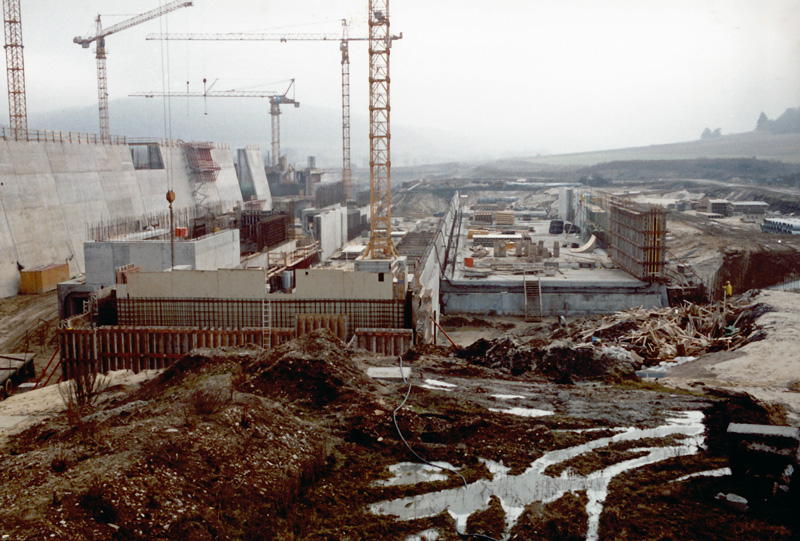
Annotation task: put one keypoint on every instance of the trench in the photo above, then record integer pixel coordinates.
(757, 268)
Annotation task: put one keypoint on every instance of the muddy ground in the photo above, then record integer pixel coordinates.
(28, 324)
(293, 444)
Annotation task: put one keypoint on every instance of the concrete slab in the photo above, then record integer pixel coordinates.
(388, 372)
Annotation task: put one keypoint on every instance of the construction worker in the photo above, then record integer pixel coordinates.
(727, 289)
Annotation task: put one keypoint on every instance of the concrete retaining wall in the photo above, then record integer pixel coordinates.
(427, 279)
(50, 191)
(558, 299)
(219, 250)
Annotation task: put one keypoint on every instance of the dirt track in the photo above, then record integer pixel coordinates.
(28, 324)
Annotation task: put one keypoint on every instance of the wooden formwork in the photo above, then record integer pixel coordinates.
(638, 242)
(384, 341)
(336, 323)
(145, 348)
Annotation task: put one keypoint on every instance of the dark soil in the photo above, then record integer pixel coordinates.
(241, 443)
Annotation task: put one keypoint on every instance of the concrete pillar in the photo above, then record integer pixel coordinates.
(540, 249)
(556, 248)
(526, 247)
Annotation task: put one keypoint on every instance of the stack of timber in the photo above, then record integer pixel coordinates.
(686, 330)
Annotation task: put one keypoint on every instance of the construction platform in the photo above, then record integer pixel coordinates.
(546, 275)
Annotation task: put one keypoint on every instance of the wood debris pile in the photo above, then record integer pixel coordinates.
(686, 330)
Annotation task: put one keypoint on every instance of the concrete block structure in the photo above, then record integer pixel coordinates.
(215, 251)
(714, 206)
(747, 207)
(50, 191)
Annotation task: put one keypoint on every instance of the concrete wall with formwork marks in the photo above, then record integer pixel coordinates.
(50, 191)
(328, 226)
(36, 228)
(154, 183)
(260, 183)
(227, 183)
(211, 252)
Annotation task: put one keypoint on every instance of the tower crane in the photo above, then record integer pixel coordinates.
(344, 47)
(275, 102)
(380, 164)
(15, 67)
(100, 53)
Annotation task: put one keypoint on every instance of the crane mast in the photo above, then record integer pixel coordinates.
(275, 103)
(347, 177)
(380, 239)
(15, 67)
(100, 54)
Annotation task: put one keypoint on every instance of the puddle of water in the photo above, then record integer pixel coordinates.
(516, 492)
(507, 396)
(660, 370)
(582, 430)
(437, 385)
(497, 469)
(409, 473)
(441, 383)
(720, 472)
(427, 535)
(523, 412)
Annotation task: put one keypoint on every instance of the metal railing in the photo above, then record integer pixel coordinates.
(51, 136)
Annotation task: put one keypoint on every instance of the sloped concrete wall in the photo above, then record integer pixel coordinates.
(227, 183)
(36, 228)
(154, 183)
(329, 232)
(49, 192)
(260, 182)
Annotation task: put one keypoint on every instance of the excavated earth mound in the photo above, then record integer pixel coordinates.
(316, 370)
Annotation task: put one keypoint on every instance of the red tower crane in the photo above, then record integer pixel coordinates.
(100, 53)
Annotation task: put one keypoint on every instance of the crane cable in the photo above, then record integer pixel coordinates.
(413, 452)
(167, 104)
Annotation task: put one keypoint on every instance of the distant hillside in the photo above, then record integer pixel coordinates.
(305, 131)
(758, 144)
(788, 122)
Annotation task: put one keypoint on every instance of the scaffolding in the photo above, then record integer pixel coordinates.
(638, 239)
(201, 163)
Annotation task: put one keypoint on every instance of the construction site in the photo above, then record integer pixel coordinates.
(206, 342)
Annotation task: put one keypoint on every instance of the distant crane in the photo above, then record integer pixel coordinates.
(100, 53)
(15, 66)
(344, 40)
(275, 102)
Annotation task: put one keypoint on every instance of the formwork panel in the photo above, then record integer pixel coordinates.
(638, 239)
(241, 313)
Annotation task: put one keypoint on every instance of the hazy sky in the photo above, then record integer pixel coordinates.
(523, 76)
